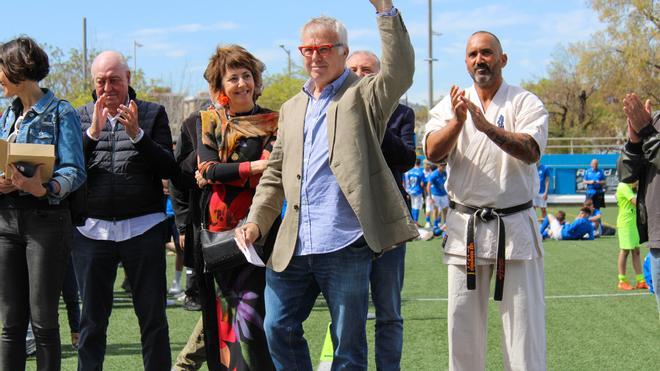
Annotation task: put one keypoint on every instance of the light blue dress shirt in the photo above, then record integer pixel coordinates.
(327, 221)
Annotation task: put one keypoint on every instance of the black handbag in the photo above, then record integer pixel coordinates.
(220, 250)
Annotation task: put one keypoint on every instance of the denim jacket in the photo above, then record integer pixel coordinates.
(39, 126)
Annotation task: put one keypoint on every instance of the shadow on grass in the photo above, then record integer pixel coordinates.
(118, 349)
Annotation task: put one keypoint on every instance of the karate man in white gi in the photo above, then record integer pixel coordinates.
(491, 135)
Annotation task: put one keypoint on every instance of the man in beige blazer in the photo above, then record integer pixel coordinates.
(343, 203)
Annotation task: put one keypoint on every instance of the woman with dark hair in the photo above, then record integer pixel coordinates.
(234, 140)
(35, 221)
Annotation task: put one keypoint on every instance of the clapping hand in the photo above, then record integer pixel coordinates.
(477, 115)
(128, 116)
(99, 117)
(457, 104)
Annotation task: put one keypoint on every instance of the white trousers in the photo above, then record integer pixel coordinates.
(522, 311)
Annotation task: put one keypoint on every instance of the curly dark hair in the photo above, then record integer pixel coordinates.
(233, 56)
(23, 59)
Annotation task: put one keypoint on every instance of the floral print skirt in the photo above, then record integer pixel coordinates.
(240, 311)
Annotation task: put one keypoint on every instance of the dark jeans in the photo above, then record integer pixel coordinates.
(70, 296)
(143, 258)
(34, 245)
(386, 285)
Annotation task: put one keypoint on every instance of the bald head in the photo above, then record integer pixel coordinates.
(494, 39)
(110, 58)
(111, 79)
(363, 63)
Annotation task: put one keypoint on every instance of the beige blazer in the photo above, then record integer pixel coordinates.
(357, 119)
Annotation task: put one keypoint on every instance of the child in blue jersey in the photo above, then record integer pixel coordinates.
(438, 195)
(429, 168)
(595, 217)
(541, 199)
(544, 229)
(580, 229)
(413, 181)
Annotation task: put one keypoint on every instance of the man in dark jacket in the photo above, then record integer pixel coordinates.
(640, 160)
(386, 277)
(128, 148)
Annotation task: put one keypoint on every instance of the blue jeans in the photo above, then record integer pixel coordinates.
(655, 273)
(343, 278)
(386, 285)
(143, 258)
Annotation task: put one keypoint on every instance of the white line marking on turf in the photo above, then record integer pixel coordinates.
(584, 296)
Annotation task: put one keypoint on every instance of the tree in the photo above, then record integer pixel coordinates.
(280, 87)
(586, 81)
(626, 52)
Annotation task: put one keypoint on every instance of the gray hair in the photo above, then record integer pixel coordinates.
(365, 52)
(318, 24)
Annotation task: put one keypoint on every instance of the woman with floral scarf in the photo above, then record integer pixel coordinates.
(235, 138)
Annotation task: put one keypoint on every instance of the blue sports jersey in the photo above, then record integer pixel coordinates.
(414, 181)
(544, 173)
(577, 230)
(437, 182)
(597, 175)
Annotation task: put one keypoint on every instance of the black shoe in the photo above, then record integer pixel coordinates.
(190, 303)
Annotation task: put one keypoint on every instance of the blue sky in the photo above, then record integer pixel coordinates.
(178, 37)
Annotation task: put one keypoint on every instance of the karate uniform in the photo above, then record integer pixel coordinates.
(482, 175)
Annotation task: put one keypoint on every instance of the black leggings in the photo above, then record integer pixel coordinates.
(34, 247)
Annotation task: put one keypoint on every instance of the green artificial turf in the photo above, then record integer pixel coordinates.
(583, 333)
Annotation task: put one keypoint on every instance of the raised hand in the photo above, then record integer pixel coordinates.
(638, 115)
(128, 116)
(381, 5)
(457, 104)
(99, 117)
(478, 118)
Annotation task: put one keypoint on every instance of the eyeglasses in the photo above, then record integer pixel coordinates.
(323, 49)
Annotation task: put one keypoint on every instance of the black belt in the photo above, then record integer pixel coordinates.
(486, 214)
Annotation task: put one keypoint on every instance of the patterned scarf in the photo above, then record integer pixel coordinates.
(222, 133)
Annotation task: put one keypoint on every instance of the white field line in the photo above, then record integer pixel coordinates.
(584, 296)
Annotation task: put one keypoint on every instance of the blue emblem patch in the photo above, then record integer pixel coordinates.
(500, 122)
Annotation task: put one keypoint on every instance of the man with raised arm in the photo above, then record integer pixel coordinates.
(387, 271)
(491, 135)
(343, 204)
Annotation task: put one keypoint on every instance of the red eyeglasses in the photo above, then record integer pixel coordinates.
(323, 49)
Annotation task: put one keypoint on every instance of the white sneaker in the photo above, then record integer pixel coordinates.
(427, 225)
(175, 289)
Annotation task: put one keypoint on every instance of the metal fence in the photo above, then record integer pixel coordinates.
(578, 145)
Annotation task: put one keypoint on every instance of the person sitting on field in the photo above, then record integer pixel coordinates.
(544, 229)
(580, 229)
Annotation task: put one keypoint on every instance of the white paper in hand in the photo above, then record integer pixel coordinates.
(250, 254)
